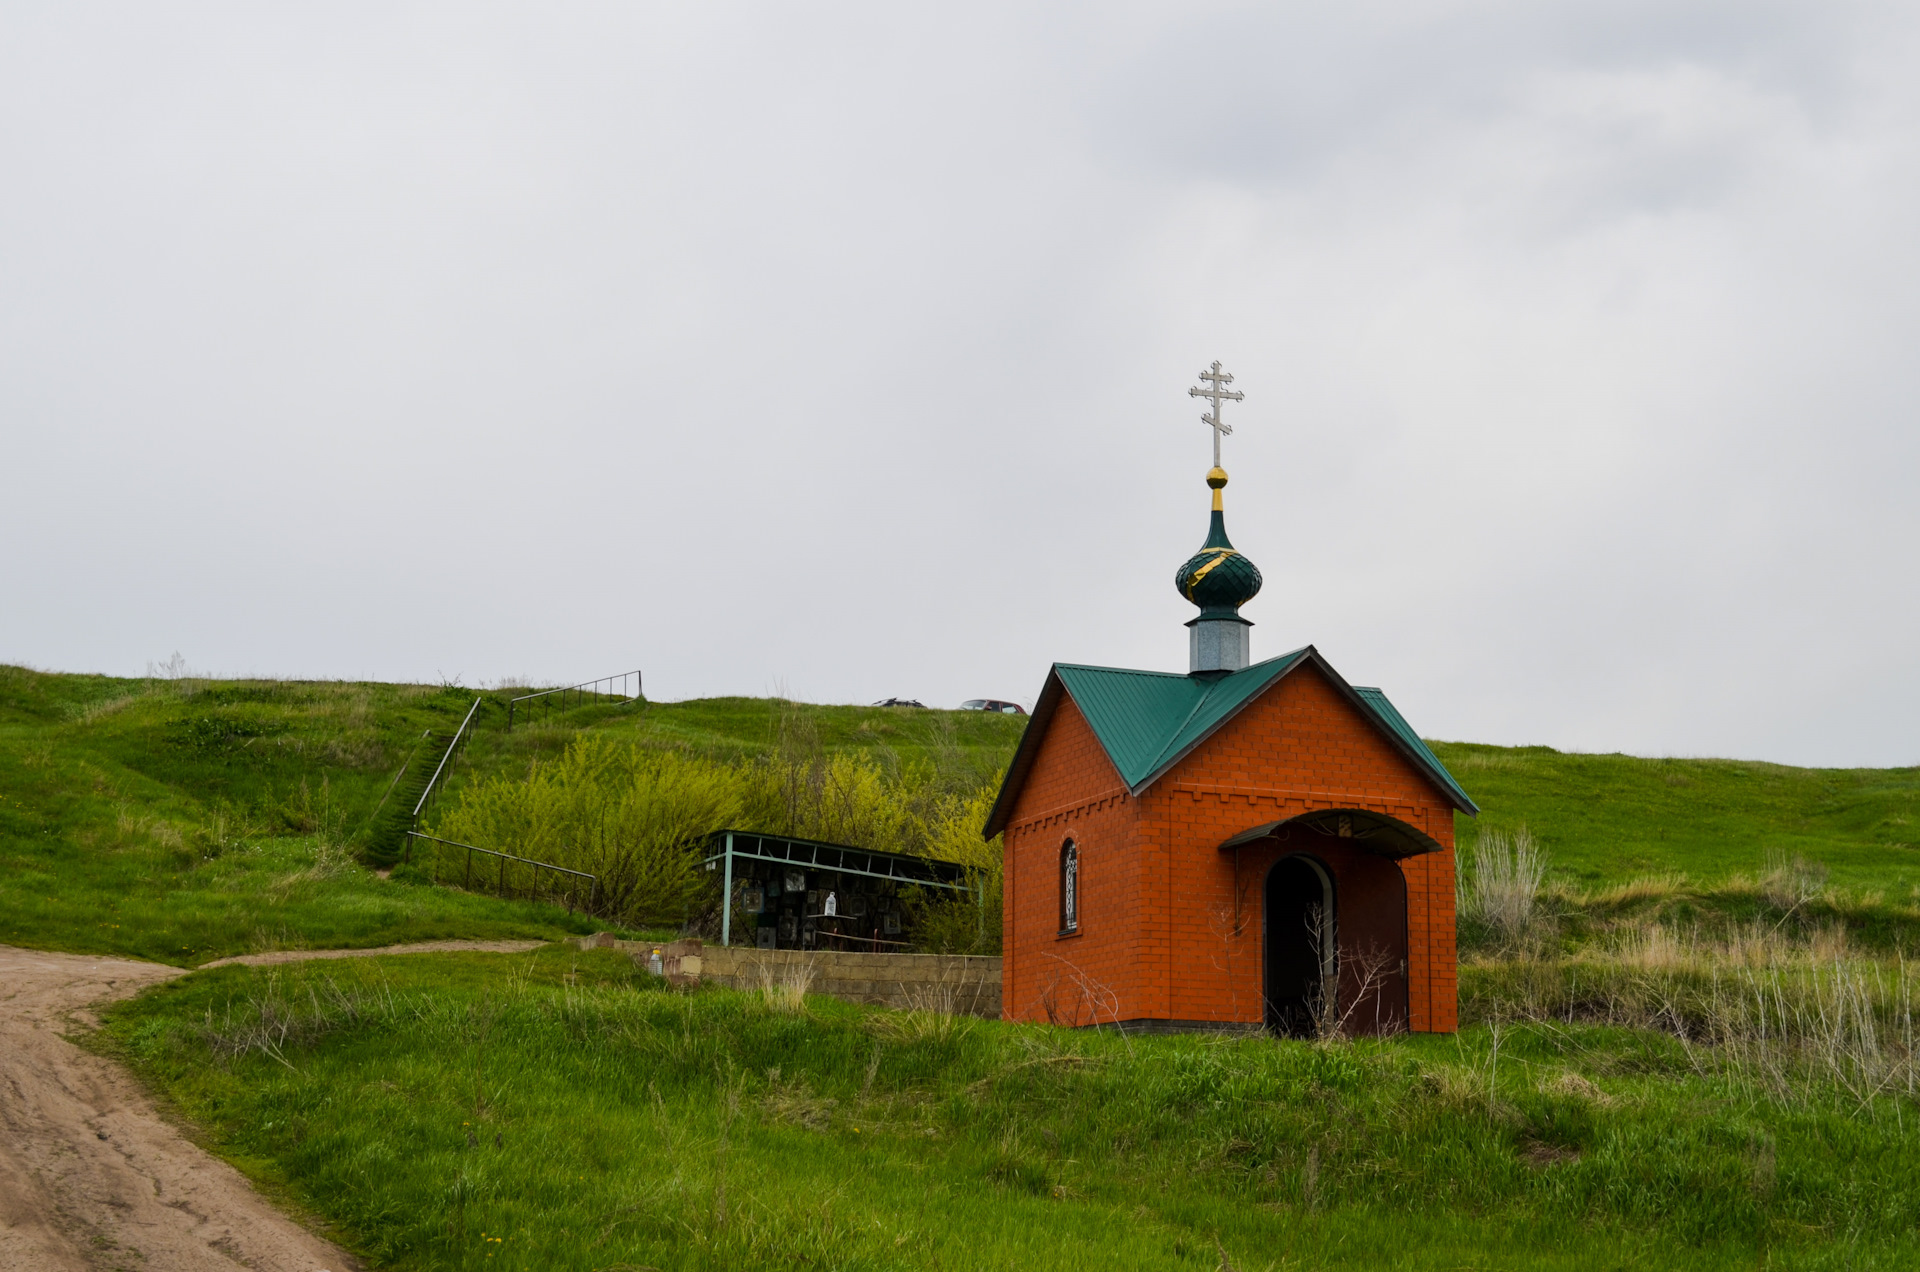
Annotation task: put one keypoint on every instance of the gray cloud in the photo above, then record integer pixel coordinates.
(1276, 92)
(848, 350)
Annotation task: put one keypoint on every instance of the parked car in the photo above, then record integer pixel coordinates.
(992, 704)
(899, 702)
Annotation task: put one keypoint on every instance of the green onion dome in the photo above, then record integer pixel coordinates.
(1217, 578)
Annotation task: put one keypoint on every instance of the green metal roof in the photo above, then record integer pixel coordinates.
(1147, 721)
(1404, 731)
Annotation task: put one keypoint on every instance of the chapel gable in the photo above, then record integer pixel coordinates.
(1307, 735)
(1069, 767)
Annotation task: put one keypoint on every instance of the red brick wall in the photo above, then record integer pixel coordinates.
(1170, 926)
(1098, 974)
(1299, 747)
(1434, 994)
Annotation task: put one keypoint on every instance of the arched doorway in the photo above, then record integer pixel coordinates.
(1299, 964)
(1348, 861)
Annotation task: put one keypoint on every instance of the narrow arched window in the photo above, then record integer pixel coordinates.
(1069, 887)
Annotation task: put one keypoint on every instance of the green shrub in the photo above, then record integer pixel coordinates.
(636, 816)
(628, 815)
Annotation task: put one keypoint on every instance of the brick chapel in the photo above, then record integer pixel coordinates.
(1246, 846)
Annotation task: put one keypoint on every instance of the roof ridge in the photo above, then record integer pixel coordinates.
(1387, 713)
(1279, 664)
(1212, 701)
(1125, 671)
(1199, 704)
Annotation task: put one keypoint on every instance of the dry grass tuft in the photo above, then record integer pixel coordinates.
(110, 706)
(1794, 1018)
(1458, 1085)
(1792, 882)
(132, 826)
(795, 1103)
(784, 985)
(1576, 1087)
(933, 1014)
(1647, 888)
(1541, 1155)
(271, 1020)
(1497, 760)
(1501, 886)
(330, 861)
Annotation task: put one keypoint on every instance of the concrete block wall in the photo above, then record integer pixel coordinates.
(966, 985)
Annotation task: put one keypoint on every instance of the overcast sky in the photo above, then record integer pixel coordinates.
(844, 350)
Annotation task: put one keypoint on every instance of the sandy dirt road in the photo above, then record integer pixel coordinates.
(91, 1177)
(423, 947)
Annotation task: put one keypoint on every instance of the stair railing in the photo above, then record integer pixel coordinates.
(571, 878)
(384, 795)
(434, 787)
(549, 700)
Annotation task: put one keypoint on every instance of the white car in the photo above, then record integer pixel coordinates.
(992, 704)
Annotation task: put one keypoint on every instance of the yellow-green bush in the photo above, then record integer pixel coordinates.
(636, 817)
(842, 798)
(631, 816)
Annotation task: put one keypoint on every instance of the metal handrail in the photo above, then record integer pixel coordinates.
(433, 783)
(593, 881)
(584, 688)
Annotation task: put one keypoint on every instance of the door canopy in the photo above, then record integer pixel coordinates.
(1368, 831)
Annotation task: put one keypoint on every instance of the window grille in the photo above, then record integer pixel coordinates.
(1069, 887)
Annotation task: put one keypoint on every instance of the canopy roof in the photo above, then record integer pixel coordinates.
(1148, 721)
(1374, 832)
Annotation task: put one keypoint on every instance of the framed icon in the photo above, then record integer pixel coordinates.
(890, 923)
(754, 900)
(796, 881)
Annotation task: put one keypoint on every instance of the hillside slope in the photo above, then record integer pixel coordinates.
(1607, 819)
(185, 820)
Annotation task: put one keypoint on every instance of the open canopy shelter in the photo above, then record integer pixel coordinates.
(802, 894)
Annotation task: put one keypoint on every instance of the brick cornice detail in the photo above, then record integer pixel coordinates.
(1094, 805)
(1390, 806)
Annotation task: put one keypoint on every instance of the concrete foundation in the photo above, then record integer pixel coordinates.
(964, 985)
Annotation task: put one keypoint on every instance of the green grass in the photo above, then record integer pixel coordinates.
(184, 821)
(1689, 842)
(1605, 819)
(735, 727)
(558, 1111)
(187, 820)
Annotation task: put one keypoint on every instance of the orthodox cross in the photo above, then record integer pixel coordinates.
(1217, 382)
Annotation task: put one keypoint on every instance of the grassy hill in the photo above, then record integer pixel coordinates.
(1674, 1066)
(560, 1110)
(1609, 819)
(184, 820)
